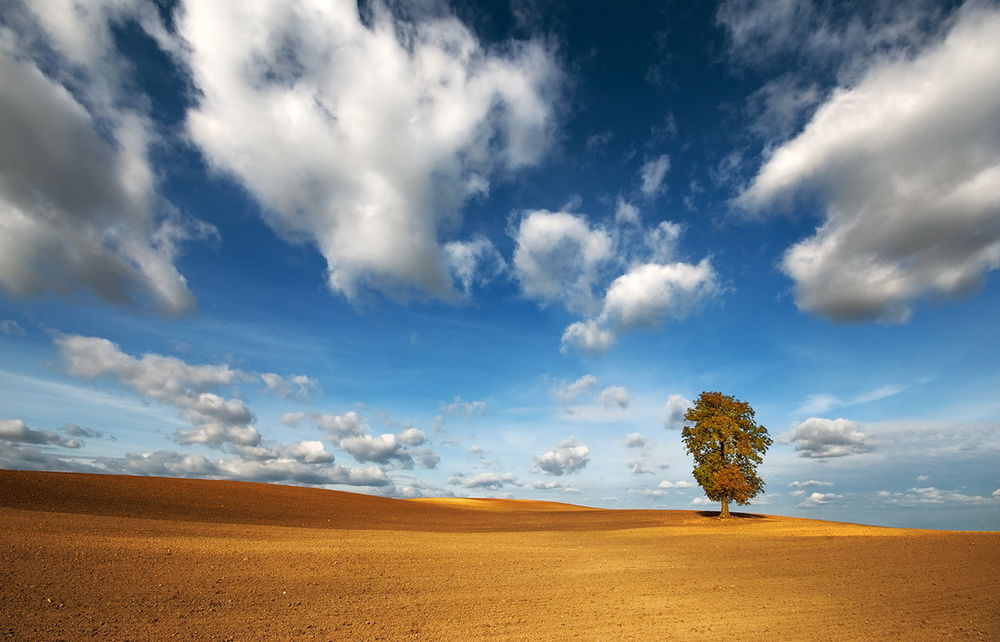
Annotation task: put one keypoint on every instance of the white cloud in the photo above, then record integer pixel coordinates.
(413, 437)
(626, 212)
(932, 495)
(15, 430)
(474, 262)
(364, 139)
(567, 457)
(615, 396)
(674, 411)
(647, 492)
(349, 424)
(676, 484)
(650, 293)
(294, 387)
(558, 257)
(546, 485)
(811, 483)
(587, 336)
(492, 481)
(652, 174)
(570, 392)
(662, 241)
(821, 438)
(906, 162)
(820, 403)
(78, 192)
(634, 440)
(169, 380)
(165, 462)
(464, 409)
(819, 499)
(702, 501)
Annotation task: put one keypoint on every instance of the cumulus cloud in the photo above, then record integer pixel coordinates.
(702, 501)
(571, 391)
(364, 139)
(492, 481)
(587, 336)
(634, 440)
(297, 387)
(650, 293)
(823, 438)
(652, 174)
(350, 432)
(349, 424)
(675, 484)
(169, 380)
(819, 499)
(615, 396)
(473, 262)
(558, 257)
(567, 457)
(77, 188)
(905, 162)
(811, 483)
(932, 495)
(626, 212)
(170, 463)
(674, 411)
(15, 430)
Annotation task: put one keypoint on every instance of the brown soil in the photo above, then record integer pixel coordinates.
(110, 557)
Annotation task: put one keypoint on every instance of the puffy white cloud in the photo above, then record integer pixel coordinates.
(932, 495)
(546, 485)
(634, 440)
(652, 174)
(626, 212)
(821, 438)
(811, 483)
(567, 457)
(282, 469)
(587, 336)
(662, 241)
(215, 420)
(702, 501)
(650, 293)
(674, 411)
(571, 391)
(819, 499)
(558, 258)
(310, 452)
(492, 481)
(294, 387)
(474, 262)
(615, 396)
(349, 424)
(78, 192)
(676, 484)
(906, 161)
(15, 430)
(412, 437)
(363, 139)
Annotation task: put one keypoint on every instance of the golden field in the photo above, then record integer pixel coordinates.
(145, 558)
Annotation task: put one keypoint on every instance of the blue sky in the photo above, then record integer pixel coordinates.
(424, 249)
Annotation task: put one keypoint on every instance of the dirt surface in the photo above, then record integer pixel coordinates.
(111, 557)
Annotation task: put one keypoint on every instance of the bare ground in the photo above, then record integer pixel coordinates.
(141, 558)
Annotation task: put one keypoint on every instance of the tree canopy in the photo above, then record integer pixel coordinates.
(727, 445)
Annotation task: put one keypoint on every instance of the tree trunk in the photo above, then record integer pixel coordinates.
(724, 513)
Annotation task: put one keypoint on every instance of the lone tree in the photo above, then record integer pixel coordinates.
(727, 444)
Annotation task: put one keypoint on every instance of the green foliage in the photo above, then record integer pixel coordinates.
(727, 444)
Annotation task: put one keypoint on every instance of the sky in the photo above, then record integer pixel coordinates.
(497, 249)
